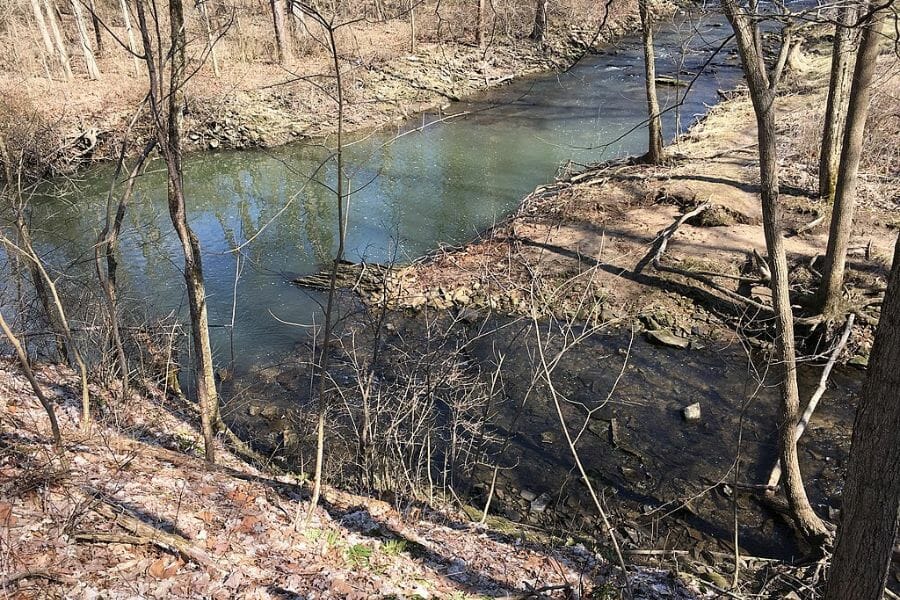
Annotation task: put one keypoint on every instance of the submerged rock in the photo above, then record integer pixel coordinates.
(691, 412)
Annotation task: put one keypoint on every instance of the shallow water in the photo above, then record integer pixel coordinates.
(435, 186)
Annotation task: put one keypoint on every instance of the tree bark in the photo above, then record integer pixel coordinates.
(282, 41)
(89, 60)
(58, 41)
(836, 106)
(129, 30)
(845, 191)
(168, 134)
(871, 497)
(540, 21)
(654, 121)
(479, 23)
(809, 524)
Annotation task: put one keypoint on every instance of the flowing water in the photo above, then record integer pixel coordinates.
(435, 185)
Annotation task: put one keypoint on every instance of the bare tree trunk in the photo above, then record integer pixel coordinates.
(95, 22)
(168, 135)
(42, 26)
(106, 248)
(282, 41)
(845, 191)
(836, 106)
(654, 120)
(540, 21)
(412, 25)
(129, 30)
(324, 353)
(210, 43)
(61, 51)
(479, 23)
(29, 374)
(871, 496)
(763, 96)
(89, 60)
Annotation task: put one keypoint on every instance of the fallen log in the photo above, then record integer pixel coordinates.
(169, 542)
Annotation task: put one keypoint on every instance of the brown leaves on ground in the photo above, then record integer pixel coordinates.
(240, 517)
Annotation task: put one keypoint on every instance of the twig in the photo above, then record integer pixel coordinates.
(33, 574)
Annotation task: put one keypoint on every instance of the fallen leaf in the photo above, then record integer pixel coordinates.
(164, 568)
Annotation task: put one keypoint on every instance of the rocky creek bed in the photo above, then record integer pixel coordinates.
(665, 472)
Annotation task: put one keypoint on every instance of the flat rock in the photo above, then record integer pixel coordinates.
(528, 495)
(667, 338)
(691, 412)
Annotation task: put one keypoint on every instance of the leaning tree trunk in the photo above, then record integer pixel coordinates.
(35, 387)
(654, 121)
(129, 30)
(168, 135)
(540, 21)
(871, 496)
(762, 95)
(58, 40)
(836, 105)
(42, 27)
(845, 191)
(84, 39)
(282, 40)
(95, 23)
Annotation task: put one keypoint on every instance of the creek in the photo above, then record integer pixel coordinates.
(437, 184)
(441, 178)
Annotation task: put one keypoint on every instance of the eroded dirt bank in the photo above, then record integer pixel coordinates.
(131, 510)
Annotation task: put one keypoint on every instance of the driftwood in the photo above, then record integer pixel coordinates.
(365, 277)
(169, 542)
(775, 475)
(704, 276)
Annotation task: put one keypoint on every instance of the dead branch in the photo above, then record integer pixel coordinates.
(100, 537)
(32, 574)
(775, 475)
(169, 542)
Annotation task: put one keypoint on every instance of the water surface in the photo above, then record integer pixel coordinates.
(441, 184)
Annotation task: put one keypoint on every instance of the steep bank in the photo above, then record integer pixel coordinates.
(258, 104)
(132, 511)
